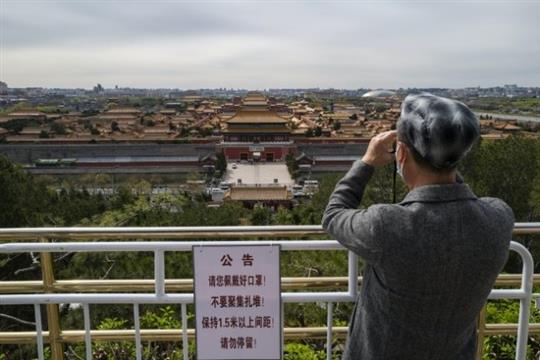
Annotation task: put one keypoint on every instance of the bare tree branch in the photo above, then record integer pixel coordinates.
(30, 268)
(24, 322)
(36, 263)
(63, 256)
(35, 259)
(109, 269)
(11, 257)
(74, 353)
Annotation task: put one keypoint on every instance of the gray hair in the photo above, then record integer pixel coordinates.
(440, 130)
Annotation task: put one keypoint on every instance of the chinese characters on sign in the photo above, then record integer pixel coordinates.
(237, 302)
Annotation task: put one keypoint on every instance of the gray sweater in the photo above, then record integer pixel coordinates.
(430, 263)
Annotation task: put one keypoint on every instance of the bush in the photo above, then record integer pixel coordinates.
(296, 351)
(261, 215)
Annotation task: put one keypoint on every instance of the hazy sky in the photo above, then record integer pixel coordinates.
(269, 44)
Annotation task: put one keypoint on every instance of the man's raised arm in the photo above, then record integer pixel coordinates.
(356, 229)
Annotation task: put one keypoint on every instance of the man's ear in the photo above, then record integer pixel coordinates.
(402, 151)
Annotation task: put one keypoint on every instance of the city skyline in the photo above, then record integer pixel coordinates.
(261, 45)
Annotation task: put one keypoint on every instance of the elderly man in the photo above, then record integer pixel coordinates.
(431, 260)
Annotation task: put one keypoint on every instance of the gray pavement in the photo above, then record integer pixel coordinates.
(259, 173)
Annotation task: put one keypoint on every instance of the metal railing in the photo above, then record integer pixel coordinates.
(160, 294)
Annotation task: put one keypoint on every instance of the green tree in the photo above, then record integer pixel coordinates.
(221, 162)
(380, 188)
(505, 169)
(94, 131)
(23, 202)
(51, 109)
(292, 165)
(260, 215)
(296, 351)
(534, 201)
(16, 125)
(58, 128)
(89, 112)
(283, 216)
(310, 212)
(114, 126)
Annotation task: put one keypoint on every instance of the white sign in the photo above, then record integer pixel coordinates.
(256, 148)
(237, 302)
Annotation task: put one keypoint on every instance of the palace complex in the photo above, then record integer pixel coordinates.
(187, 134)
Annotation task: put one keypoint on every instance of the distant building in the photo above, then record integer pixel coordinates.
(116, 111)
(3, 88)
(191, 98)
(34, 115)
(379, 93)
(255, 133)
(268, 195)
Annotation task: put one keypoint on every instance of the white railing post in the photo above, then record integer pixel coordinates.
(329, 323)
(137, 325)
(282, 327)
(87, 329)
(39, 331)
(352, 287)
(185, 343)
(159, 272)
(525, 301)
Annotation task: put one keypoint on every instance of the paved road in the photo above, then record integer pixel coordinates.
(510, 117)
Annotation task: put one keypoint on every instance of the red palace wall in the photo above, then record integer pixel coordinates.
(136, 164)
(234, 153)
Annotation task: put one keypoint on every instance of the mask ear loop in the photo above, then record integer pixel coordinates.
(394, 151)
(395, 174)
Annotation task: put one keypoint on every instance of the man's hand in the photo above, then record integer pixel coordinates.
(379, 151)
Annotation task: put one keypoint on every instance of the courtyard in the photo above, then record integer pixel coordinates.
(259, 173)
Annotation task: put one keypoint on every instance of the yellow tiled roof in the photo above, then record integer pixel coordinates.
(265, 117)
(258, 193)
(26, 113)
(257, 130)
(123, 111)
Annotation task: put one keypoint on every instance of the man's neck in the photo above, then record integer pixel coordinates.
(424, 178)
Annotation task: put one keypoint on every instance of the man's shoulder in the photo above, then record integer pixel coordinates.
(498, 205)
(494, 207)
(498, 213)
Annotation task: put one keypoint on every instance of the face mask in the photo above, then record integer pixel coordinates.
(399, 167)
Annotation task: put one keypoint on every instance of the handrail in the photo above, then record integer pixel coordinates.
(159, 248)
(237, 232)
(169, 232)
(290, 333)
(183, 232)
